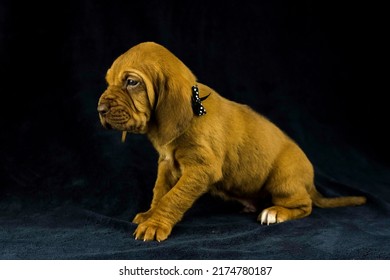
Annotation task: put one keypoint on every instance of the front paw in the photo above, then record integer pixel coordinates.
(152, 230)
(142, 217)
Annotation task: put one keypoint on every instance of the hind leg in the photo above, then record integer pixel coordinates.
(288, 186)
(287, 206)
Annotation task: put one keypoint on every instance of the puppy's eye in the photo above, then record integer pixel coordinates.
(131, 83)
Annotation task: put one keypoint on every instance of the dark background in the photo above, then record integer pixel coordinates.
(69, 188)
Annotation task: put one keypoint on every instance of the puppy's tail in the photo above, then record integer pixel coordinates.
(323, 202)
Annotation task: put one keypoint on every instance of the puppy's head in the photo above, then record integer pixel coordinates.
(149, 91)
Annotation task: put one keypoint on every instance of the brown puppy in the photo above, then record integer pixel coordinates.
(231, 151)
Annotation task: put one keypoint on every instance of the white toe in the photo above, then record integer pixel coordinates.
(263, 217)
(267, 217)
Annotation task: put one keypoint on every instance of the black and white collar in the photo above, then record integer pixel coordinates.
(196, 101)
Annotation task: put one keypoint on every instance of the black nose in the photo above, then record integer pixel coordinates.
(103, 108)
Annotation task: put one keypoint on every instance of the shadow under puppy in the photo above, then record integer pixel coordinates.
(229, 150)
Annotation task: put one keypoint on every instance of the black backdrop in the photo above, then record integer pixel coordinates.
(69, 188)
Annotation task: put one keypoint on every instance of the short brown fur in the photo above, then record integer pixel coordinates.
(232, 151)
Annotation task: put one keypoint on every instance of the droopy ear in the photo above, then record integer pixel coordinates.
(173, 111)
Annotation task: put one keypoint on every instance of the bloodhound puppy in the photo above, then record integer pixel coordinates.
(205, 143)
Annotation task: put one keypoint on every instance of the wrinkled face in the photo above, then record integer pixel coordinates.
(149, 91)
(125, 104)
